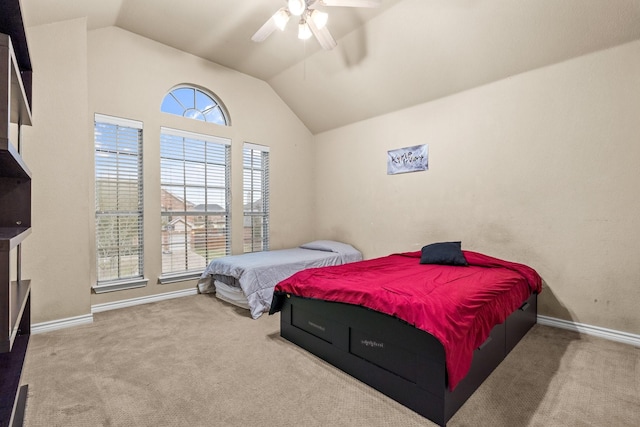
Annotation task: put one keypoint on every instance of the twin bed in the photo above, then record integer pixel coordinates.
(425, 328)
(248, 280)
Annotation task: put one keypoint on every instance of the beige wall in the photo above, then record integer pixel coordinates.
(56, 255)
(540, 168)
(114, 72)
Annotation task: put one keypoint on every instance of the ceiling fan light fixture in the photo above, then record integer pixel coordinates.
(297, 7)
(319, 18)
(312, 22)
(304, 32)
(280, 18)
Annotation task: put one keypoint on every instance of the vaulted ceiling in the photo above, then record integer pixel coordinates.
(404, 53)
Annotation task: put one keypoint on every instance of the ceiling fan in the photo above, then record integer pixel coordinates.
(312, 21)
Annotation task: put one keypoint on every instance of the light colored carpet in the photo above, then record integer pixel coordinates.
(196, 361)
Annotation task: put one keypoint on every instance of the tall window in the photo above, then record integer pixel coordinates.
(256, 197)
(195, 103)
(118, 195)
(195, 200)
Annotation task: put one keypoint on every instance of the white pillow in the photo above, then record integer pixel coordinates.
(327, 246)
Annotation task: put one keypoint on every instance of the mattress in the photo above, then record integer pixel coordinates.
(231, 294)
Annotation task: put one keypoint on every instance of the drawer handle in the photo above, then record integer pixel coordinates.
(484, 344)
(525, 306)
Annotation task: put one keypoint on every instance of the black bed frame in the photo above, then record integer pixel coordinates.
(401, 361)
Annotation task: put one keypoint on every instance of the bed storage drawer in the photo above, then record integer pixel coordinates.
(384, 353)
(485, 359)
(520, 321)
(316, 324)
(489, 354)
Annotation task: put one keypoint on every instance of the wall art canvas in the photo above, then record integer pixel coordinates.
(408, 159)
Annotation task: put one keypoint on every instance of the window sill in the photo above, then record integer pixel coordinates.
(180, 277)
(119, 285)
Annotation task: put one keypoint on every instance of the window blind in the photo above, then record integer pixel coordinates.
(255, 197)
(118, 198)
(195, 199)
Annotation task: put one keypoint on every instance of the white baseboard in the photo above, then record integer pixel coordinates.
(98, 308)
(38, 328)
(609, 334)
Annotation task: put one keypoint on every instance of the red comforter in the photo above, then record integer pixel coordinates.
(457, 305)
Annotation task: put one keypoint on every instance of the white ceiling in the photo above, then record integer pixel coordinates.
(404, 53)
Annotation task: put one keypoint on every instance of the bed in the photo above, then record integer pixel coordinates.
(248, 280)
(425, 334)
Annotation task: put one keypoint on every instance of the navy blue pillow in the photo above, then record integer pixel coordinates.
(445, 253)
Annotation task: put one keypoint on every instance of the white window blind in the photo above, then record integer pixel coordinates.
(118, 197)
(256, 197)
(195, 199)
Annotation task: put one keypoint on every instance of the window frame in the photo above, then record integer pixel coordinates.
(193, 107)
(122, 281)
(170, 276)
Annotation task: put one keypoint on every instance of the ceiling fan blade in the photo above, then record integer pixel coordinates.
(323, 35)
(351, 3)
(265, 31)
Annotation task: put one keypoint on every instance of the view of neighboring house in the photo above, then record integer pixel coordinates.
(189, 232)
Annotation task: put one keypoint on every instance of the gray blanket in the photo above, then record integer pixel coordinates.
(258, 273)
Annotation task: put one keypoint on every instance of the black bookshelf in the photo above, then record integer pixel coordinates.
(15, 212)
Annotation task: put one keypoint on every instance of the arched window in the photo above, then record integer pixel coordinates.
(195, 103)
(195, 184)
